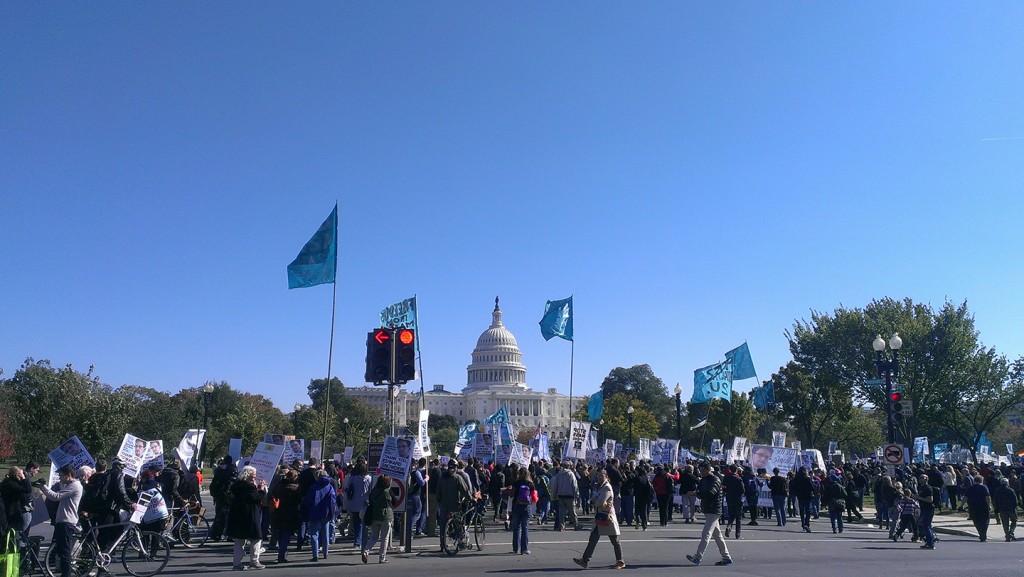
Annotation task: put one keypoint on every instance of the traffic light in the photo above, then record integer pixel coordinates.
(405, 356)
(896, 406)
(380, 352)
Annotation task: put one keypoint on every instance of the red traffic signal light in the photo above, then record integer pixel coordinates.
(406, 336)
(895, 397)
(379, 355)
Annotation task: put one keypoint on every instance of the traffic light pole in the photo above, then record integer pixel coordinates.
(886, 370)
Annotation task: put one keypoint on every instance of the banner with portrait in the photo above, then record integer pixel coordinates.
(154, 458)
(132, 453)
(316, 450)
(294, 450)
(396, 456)
(71, 452)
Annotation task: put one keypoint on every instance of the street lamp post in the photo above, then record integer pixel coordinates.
(295, 419)
(887, 369)
(345, 422)
(679, 409)
(600, 431)
(207, 395)
(629, 417)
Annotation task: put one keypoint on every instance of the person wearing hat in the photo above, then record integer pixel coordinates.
(834, 495)
(709, 489)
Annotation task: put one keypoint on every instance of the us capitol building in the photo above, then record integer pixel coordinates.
(496, 377)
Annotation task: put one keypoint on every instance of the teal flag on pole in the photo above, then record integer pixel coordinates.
(317, 261)
(499, 416)
(557, 321)
(595, 406)
(742, 366)
(713, 381)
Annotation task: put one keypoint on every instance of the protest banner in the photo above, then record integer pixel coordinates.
(521, 455)
(609, 448)
(739, 448)
(396, 456)
(71, 452)
(645, 449)
(579, 435)
(188, 448)
(373, 451)
(346, 458)
(316, 450)
(274, 439)
(504, 455)
(235, 449)
(422, 447)
(265, 459)
(665, 452)
(294, 450)
(778, 438)
(132, 453)
(483, 447)
(594, 456)
(154, 458)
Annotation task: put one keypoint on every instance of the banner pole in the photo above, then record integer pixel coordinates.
(330, 358)
(572, 357)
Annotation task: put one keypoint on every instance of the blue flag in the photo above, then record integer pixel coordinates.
(595, 406)
(499, 416)
(557, 321)
(763, 395)
(713, 381)
(317, 261)
(742, 366)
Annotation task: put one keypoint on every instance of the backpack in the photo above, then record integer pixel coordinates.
(523, 495)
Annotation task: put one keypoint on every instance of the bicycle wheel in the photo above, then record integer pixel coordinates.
(82, 561)
(145, 553)
(193, 534)
(479, 533)
(452, 534)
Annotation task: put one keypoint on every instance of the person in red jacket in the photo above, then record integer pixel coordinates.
(664, 483)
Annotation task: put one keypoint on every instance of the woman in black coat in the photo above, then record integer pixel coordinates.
(245, 516)
(285, 518)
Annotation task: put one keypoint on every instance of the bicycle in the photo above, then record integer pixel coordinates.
(456, 536)
(143, 553)
(31, 559)
(191, 529)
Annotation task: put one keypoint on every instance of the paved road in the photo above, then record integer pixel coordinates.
(764, 550)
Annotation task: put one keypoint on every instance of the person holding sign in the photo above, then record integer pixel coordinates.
(244, 516)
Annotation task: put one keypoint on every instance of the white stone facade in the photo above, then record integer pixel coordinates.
(496, 377)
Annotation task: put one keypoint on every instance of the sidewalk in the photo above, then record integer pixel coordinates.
(957, 524)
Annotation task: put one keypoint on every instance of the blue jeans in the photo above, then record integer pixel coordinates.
(779, 504)
(543, 507)
(284, 537)
(627, 509)
(317, 533)
(837, 520)
(358, 528)
(417, 517)
(520, 526)
(925, 527)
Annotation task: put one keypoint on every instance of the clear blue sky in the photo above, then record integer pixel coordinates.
(696, 174)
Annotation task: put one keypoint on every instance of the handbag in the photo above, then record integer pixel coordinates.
(10, 560)
(602, 518)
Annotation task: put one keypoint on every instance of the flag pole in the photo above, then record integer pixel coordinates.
(572, 357)
(330, 357)
(416, 308)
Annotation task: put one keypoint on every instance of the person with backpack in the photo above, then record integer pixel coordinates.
(381, 517)
(319, 507)
(688, 490)
(751, 493)
(733, 488)
(834, 495)
(524, 494)
(220, 487)
(543, 484)
(709, 489)
(643, 495)
(664, 485)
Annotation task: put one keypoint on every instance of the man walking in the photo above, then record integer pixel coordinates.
(566, 489)
(709, 489)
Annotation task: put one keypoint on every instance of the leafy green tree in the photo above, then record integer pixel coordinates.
(640, 383)
(728, 420)
(438, 422)
(616, 418)
(812, 404)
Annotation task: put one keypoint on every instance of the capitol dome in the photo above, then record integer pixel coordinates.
(497, 360)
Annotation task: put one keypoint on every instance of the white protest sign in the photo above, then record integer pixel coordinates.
(265, 459)
(579, 435)
(132, 453)
(396, 457)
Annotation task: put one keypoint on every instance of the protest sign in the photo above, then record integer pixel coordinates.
(235, 449)
(504, 454)
(71, 452)
(483, 447)
(132, 453)
(422, 447)
(316, 450)
(265, 460)
(665, 452)
(294, 450)
(346, 458)
(154, 456)
(645, 449)
(396, 456)
(188, 448)
(778, 438)
(521, 455)
(579, 435)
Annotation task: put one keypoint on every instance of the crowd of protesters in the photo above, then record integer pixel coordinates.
(317, 505)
